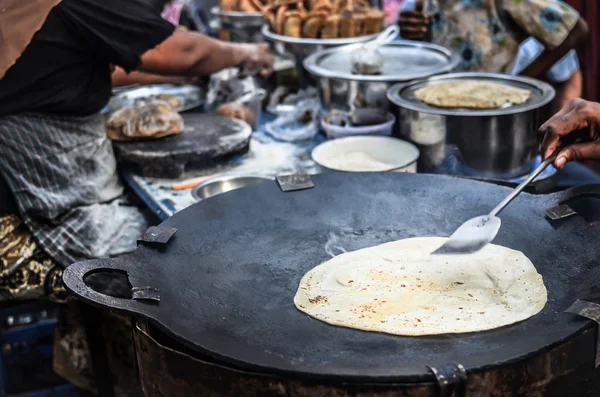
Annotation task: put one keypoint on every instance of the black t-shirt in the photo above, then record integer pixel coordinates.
(66, 67)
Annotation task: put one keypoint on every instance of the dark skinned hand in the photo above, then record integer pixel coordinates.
(413, 23)
(576, 117)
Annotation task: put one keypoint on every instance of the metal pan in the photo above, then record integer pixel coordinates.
(227, 278)
(224, 184)
(191, 96)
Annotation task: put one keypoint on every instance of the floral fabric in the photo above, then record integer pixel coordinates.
(487, 33)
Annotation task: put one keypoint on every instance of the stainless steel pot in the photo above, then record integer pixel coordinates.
(340, 88)
(239, 27)
(499, 143)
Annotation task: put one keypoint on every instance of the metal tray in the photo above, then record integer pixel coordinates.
(403, 94)
(191, 96)
(403, 61)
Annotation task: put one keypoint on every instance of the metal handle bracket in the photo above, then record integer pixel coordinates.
(451, 379)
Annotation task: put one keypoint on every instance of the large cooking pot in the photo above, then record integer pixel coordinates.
(340, 88)
(498, 143)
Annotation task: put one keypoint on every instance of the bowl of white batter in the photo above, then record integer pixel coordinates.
(367, 154)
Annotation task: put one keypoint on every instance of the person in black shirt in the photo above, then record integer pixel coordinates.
(56, 60)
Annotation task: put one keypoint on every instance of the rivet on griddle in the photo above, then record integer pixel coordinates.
(157, 235)
(291, 183)
(149, 294)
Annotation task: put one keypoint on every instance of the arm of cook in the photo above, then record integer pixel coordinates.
(121, 78)
(577, 115)
(555, 24)
(193, 54)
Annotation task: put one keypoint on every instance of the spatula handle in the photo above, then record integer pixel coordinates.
(566, 141)
(526, 182)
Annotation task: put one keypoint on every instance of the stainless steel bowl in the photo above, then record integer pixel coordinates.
(492, 143)
(340, 88)
(240, 27)
(302, 47)
(225, 184)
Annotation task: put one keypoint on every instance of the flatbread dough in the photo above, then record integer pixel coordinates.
(400, 288)
(472, 94)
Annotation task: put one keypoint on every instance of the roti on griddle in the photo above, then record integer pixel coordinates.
(472, 94)
(400, 288)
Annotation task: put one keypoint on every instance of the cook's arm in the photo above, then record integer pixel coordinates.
(193, 54)
(121, 78)
(547, 58)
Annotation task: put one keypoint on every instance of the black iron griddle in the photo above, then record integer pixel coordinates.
(228, 276)
(206, 138)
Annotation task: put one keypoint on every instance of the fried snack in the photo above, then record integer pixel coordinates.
(280, 19)
(313, 25)
(326, 19)
(260, 4)
(248, 6)
(236, 111)
(331, 28)
(338, 5)
(374, 22)
(292, 25)
(351, 24)
(269, 13)
(228, 5)
(321, 6)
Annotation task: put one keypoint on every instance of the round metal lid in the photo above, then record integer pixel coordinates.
(403, 95)
(403, 61)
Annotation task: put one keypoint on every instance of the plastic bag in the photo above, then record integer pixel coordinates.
(299, 124)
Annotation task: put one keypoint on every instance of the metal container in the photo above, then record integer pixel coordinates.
(239, 27)
(299, 48)
(498, 143)
(191, 96)
(400, 155)
(224, 184)
(403, 61)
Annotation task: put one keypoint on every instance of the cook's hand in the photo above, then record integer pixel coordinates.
(413, 23)
(257, 57)
(577, 115)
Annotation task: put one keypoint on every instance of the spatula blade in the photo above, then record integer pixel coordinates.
(471, 236)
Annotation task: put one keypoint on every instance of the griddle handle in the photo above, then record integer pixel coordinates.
(74, 276)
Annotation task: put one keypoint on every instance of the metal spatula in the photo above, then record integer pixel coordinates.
(477, 232)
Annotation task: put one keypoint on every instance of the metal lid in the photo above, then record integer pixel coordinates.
(403, 95)
(403, 61)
